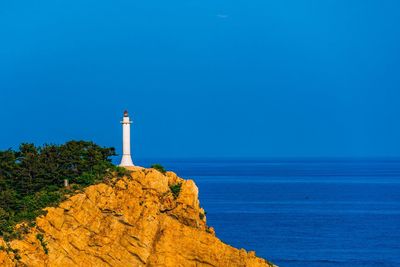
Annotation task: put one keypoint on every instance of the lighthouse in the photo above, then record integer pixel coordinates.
(126, 141)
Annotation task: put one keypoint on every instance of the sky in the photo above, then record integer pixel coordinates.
(210, 78)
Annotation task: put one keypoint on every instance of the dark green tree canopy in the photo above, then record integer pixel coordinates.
(32, 177)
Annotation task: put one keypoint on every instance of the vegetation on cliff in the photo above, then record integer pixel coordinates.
(126, 217)
(134, 220)
(159, 168)
(32, 178)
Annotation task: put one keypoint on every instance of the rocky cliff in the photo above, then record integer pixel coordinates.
(132, 221)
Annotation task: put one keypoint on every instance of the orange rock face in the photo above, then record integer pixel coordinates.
(133, 221)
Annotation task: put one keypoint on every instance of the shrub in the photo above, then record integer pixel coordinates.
(121, 172)
(75, 187)
(40, 237)
(159, 168)
(175, 189)
(201, 216)
(86, 178)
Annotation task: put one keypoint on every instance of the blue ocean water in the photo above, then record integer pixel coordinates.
(303, 212)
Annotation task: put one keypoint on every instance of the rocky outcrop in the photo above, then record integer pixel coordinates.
(131, 221)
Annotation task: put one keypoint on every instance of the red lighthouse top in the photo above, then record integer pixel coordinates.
(125, 113)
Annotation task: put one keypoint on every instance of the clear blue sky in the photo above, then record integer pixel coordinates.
(283, 78)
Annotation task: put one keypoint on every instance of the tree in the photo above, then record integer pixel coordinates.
(31, 178)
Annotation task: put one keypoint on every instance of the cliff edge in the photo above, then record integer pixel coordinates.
(136, 220)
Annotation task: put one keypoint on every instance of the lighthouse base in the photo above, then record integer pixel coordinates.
(126, 161)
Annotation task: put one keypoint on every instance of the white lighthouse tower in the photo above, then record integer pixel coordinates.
(126, 141)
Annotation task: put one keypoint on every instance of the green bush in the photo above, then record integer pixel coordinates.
(40, 237)
(201, 216)
(86, 178)
(121, 172)
(176, 189)
(75, 187)
(159, 168)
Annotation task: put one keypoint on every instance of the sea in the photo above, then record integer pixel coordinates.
(302, 212)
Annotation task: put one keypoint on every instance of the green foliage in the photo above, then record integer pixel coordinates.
(32, 178)
(40, 237)
(159, 168)
(86, 178)
(201, 216)
(75, 187)
(175, 189)
(121, 172)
